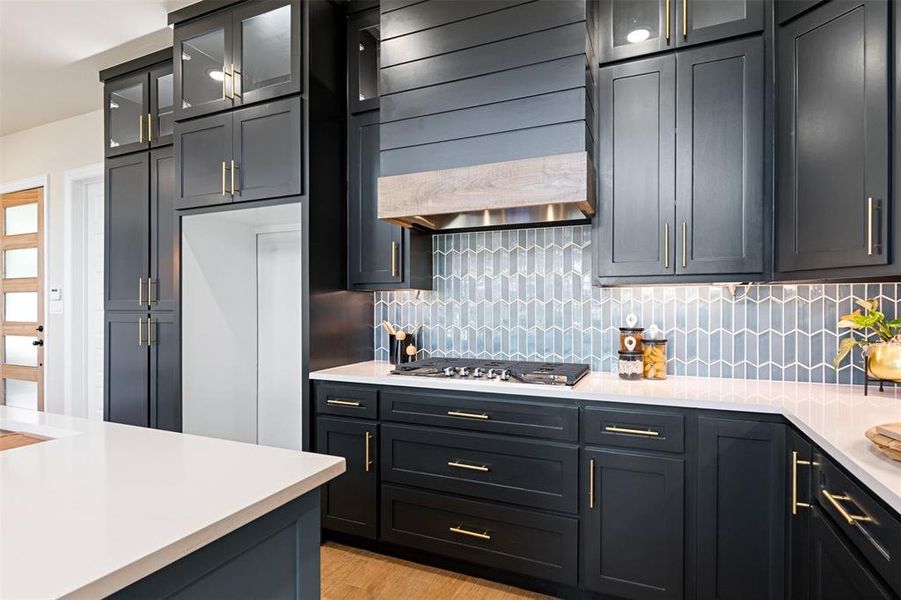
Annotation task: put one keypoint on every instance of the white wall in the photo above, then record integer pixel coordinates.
(51, 150)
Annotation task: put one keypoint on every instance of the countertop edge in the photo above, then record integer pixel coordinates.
(147, 565)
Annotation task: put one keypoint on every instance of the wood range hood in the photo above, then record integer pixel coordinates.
(547, 189)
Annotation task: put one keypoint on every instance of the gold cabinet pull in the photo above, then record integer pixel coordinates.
(149, 127)
(666, 245)
(140, 291)
(685, 18)
(336, 402)
(684, 244)
(590, 483)
(666, 19)
(366, 451)
(462, 465)
(467, 415)
(394, 259)
(236, 79)
(140, 331)
(630, 431)
(150, 299)
(869, 226)
(140, 129)
(224, 92)
(482, 535)
(234, 167)
(836, 501)
(149, 331)
(795, 462)
(224, 193)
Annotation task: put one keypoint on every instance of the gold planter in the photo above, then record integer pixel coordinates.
(885, 361)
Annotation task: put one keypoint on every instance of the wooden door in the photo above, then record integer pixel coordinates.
(719, 159)
(22, 293)
(633, 232)
(741, 509)
(832, 138)
(203, 151)
(632, 524)
(350, 502)
(701, 21)
(127, 226)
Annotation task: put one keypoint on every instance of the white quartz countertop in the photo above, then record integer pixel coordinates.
(103, 505)
(835, 417)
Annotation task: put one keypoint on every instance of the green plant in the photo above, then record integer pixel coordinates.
(870, 318)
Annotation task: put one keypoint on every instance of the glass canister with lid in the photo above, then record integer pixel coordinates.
(654, 354)
(631, 360)
(630, 330)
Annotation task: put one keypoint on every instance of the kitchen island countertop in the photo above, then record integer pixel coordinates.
(834, 417)
(103, 505)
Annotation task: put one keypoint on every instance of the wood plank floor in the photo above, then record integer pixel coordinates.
(353, 574)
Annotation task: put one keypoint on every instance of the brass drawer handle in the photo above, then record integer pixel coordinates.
(367, 458)
(835, 501)
(795, 462)
(149, 331)
(591, 483)
(150, 299)
(333, 402)
(666, 17)
(462, 465)
(394, 259)
(483, 535)
(666, 245)
(685, 18)
(467, 415)
(869, 227)
(140, 331)
(149, 127)
(140, 129)
(684, 244)
(234, 167)
(629, 431)
(224, 193)
(140, 291)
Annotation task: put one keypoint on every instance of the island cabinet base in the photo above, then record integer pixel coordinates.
(275, 556)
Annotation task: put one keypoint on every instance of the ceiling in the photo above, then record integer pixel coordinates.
(52, 50)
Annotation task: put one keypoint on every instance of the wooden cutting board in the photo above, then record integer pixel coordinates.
(8, 441)
(888, 446)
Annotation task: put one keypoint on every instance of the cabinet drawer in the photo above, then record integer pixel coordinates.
(869, 526)
(461, 411)
(522, 541)
(528, 473)
(347, 400)
(633, 429)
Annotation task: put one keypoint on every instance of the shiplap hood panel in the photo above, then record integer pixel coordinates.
(487, 112)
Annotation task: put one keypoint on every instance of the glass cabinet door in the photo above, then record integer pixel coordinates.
(126, 109)
(708, 20)
(162, 115)
(635, 27)
(203, 81)
(266, 51)
(363, 61)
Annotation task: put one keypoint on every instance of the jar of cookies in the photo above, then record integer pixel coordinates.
(654, 354)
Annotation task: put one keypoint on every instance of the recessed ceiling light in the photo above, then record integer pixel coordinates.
(638, 35)
(215, 74)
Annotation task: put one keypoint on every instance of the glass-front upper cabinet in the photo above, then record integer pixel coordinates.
(161, 119)
(237, 56)
(363, 61)
(125, 103)
(708, 20)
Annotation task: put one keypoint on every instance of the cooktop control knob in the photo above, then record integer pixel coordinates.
(492, 373)
(449, 372)
(478, 372)
(505, 375)
(464, 371)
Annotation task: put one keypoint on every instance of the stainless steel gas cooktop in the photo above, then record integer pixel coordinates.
(475, 369)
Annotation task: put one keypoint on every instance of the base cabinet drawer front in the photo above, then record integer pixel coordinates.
(519, 472)
(461, 411)
(521, 541)
(347, 400)
(632, 525)
(632, 429)
(350, 501)
(836, 571)
(873, 530)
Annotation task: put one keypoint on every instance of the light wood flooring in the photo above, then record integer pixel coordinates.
(353, 574)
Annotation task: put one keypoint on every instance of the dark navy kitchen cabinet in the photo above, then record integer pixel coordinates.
(703, 21)
(127, 223)
(741, 508)
(363, 61)
(161, 119)
(797, 545)
(632, 529)
(202, 155)
(832, 209)
(126, 372)
(162, 286)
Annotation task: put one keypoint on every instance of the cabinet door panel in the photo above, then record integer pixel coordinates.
(635, 27)
(632, 537)
(266, 150)
(636, 169)
(373, 244)
(203, 149)
(203, 58)
(799, 458)
(267, 50)
(127, 223)
(165, 371)
(126, 102)
(125, 383)
(832, 138)
(363, 61)
(719, 159)
(350, 502)
(741, 509)
(162, 293)
(162, 113)
(708, 20)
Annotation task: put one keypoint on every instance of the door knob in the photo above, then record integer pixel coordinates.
(37, 343)
(39, 328)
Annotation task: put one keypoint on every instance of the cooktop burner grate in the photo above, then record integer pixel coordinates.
(472, 368)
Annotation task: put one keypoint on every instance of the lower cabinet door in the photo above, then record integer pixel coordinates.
(350, 501)
(632, 525)
(164, 342)
(741, 509)
(836, 571)
(797, 547)
(125, 389)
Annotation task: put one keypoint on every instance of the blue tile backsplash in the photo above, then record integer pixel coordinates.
(527, 295)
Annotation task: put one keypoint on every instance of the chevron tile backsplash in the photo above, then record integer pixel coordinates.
(527, 295)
